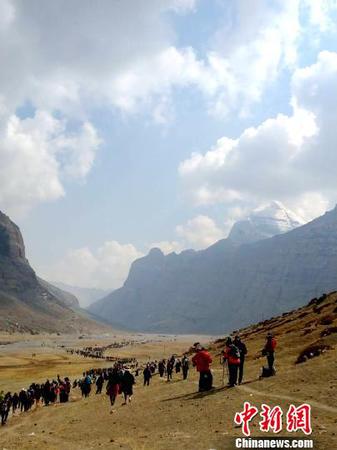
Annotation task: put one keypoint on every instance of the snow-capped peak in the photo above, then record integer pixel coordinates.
(265, 222)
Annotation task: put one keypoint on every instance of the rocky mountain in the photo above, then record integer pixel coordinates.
(228, 285)
(265, 223)
(85, 296)
(28, 303)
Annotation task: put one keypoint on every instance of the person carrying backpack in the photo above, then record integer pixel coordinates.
(231, 354)
(243, 352)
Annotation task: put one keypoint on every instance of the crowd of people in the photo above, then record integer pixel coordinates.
(119, 379)
(45, 393)
(233, 358)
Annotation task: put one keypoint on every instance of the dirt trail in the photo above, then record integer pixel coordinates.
(313, 403)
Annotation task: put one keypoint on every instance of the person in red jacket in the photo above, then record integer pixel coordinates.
(202, 361)
(269, 352)
(231, 354)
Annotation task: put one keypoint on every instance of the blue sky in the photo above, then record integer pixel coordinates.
(102, 110)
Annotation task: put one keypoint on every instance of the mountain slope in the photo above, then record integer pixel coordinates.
(227, 284)
(85, 296)
(28, 303)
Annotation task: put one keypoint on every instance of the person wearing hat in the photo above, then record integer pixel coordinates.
(202, 361)
(269, 352)
(243, 352)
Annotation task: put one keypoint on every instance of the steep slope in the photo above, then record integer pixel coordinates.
(227, 284)
(66, 297)
(85, 296)
(27, 303)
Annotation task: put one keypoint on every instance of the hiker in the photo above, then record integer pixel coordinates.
(269, 352)
(99, 384)
(161, 368)
(127, 382)
(178, 366)
(86, 386)
(202, 360)
(112, 388)
(147, 375)
(5, 406)
(15, 402)
(23, 399)
(243, 352)
(231, 354)
(169, 368)
(185, 366)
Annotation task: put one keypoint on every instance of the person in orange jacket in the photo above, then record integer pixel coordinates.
(269, 352)
(202, 361)
(231, 354)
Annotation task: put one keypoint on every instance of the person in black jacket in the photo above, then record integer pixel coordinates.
(243, 352)
(127, 382)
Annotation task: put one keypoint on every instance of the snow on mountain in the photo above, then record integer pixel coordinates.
(264, 223)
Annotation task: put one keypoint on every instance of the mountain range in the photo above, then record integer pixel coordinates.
(237, 281)
(28, 303)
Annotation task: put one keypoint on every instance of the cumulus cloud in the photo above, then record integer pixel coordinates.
(68, 58)
(35, 153)
(291, 158)
(107, 267)
(199, 232)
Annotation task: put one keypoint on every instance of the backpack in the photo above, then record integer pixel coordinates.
(234, 351)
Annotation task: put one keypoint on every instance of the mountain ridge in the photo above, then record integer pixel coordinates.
(247, 282)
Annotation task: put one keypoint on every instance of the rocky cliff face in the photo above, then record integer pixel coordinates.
(26, 302)
(11, 242)
(227, 285)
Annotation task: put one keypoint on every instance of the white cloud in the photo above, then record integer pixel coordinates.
(291, 158)
(35, 153)
(106, 268)
(67, 58)
(199, 232)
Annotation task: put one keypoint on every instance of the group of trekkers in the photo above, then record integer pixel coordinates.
(120, 380)
(233, 357)
(47, 393)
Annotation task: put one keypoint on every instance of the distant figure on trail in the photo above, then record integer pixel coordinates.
(231, 354)
(202, 360)
(185, 364)
(86, 386)
(147, 375)
(5, 406)
(99, 384)
(169, 368)
(269, 352)
(127, 382)
(178, 366)
(161, 368)
(243, 352)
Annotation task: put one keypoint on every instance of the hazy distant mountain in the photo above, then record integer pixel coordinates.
(86, 296)
(265, 223)
(227, 285)
(28, 303)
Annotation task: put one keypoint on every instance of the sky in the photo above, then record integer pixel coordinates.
(128, 124)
